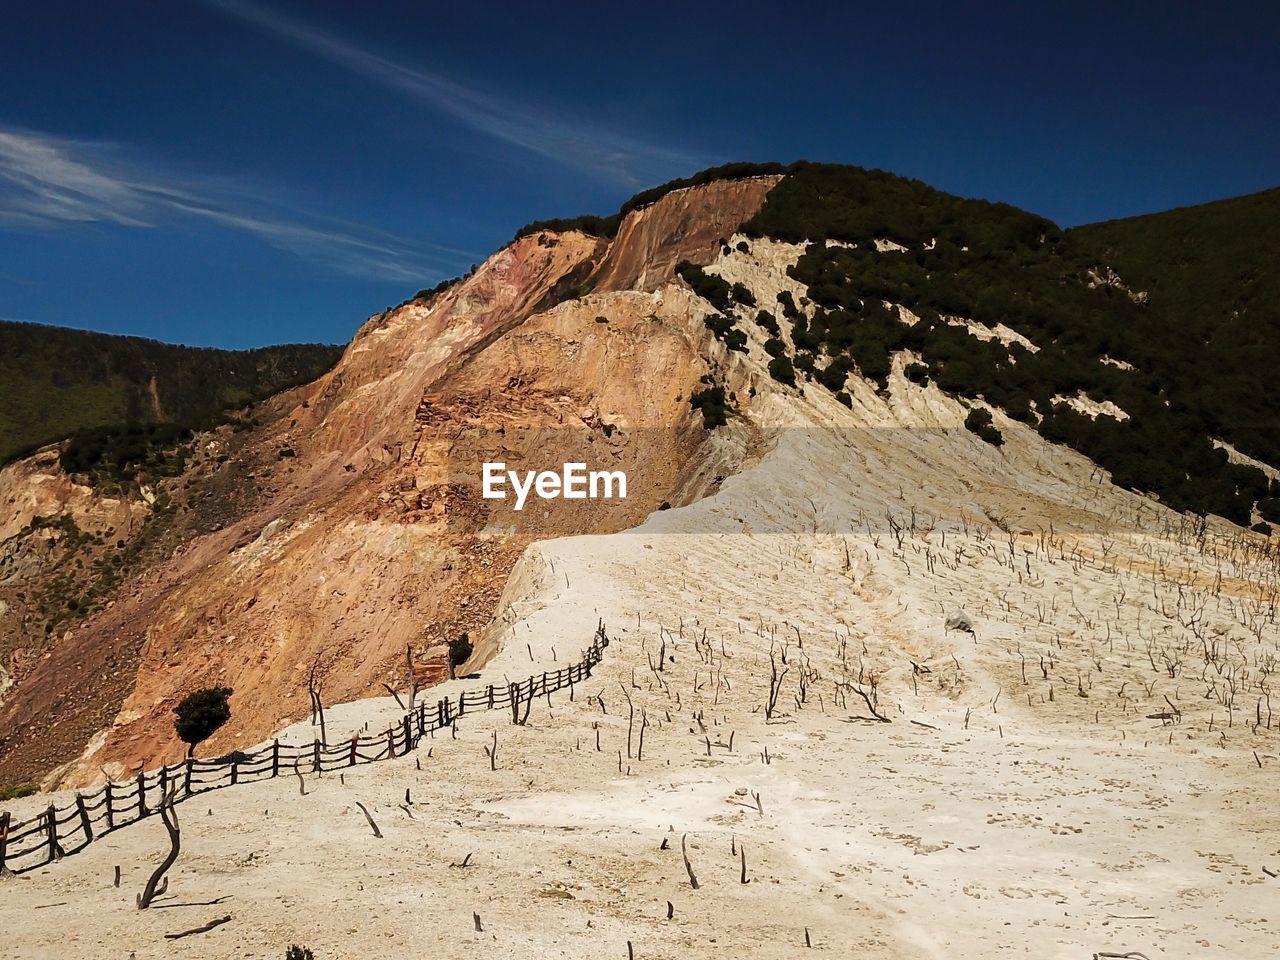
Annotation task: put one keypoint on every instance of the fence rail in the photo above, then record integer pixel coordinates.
(61, 832)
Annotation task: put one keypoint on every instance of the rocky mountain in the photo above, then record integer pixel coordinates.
(894, 668)
(329, 530)
(338, 527)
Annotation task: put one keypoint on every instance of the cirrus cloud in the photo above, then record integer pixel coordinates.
(552, 133)
(48, 182)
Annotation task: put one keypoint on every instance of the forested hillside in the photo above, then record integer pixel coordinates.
(57, 382)
(1212, 277)
(1169, 320)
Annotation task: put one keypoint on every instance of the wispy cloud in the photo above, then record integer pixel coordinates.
(41, 182)
(605, 153)
(48, 181)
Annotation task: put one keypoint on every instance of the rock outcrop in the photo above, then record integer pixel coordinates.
(343, 531)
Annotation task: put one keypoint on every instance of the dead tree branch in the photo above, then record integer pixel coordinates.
(154, 885)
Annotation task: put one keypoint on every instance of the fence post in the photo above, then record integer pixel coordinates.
(408, 734)
(84, 817)
(235, 771)
(51, 834)
(275, 758)
(142, 794)
(4, 842)
(351, 758)
(491, 696)
(186, 776)
(111, 814)
(315, 754)
(164, 782)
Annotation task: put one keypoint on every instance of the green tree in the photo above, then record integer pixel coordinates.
(200, 714)
(459, 652)
(979, 421)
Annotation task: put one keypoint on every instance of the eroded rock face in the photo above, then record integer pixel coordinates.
(359, 544)
(684, 225)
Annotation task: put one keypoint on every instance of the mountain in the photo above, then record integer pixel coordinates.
(1145, 344)
(57, 382)
(1213, 328)
(628, 332)
(940, 607)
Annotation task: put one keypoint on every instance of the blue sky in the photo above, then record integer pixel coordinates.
(241, 172)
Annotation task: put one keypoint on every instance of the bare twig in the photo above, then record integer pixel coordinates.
(684, 851)
(205, 929)
(368, 816)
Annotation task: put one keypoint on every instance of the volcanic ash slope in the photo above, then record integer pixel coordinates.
(1061, 777)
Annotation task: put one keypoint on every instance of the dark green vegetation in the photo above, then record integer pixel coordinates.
(979, 422)
(57, 382)
(1212, 274)
(119, 453)
(19, 791)
(200, 714)
(1204, 342)
(720, 295)
(459, 650)
(708, 286)
(713, 405)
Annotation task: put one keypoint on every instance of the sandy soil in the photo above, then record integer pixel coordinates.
(1022, 798)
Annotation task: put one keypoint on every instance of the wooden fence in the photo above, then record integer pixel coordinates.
(60, 832)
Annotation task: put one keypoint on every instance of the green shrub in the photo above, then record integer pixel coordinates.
(979, 422)
(439, 288)
(200, 714)
(834, 375)
(715, 290)
(917, 373)
(724, 330)
(711, 402)
(998, 265)
(459, 650)
(768, 322)
(781, 369)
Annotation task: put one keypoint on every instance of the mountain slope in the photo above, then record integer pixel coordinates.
(1211, 277)
(57, 381)
(1079, 338)
(342, 530)
(1076, 748)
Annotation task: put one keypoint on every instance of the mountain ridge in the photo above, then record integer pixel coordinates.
(58, 381)
(359, 457)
